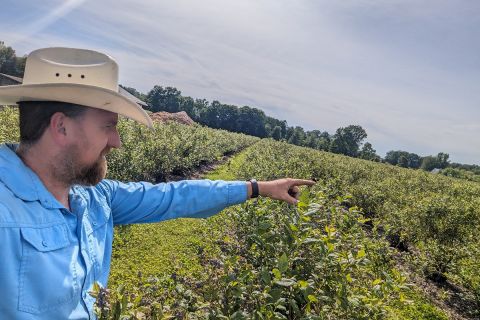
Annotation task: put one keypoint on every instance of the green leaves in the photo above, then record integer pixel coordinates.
(285, 282)
(360, 254)
(283, 263)
(171, 149)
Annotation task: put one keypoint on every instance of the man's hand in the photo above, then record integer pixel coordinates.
(282, 189)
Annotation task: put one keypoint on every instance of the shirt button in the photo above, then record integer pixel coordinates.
(44, 243)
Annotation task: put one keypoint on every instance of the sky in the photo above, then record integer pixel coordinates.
(407, 71)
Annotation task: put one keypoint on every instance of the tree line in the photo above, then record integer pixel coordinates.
(253, 121)
(349, 140)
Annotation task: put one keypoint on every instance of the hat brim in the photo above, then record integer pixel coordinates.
(80, 94)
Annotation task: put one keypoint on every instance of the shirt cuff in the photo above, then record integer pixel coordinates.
(237, 192)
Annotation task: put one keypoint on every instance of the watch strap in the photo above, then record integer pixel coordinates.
(255, 192)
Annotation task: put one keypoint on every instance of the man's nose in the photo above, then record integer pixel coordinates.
(115, 141)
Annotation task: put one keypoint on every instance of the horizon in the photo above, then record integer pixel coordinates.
(405, 71)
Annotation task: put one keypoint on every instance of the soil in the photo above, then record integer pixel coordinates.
(180, 117)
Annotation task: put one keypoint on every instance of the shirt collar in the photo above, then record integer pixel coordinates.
(21, 180)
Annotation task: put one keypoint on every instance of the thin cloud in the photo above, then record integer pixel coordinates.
(38, 25)
(405, 71)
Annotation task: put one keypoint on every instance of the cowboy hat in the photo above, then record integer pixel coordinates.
(78, 76)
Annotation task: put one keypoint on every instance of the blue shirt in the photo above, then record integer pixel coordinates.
(51, 256)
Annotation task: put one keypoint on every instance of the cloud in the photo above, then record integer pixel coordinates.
(58, 10)
(406, 71)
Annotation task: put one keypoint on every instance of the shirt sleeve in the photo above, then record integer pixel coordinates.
(142, 202)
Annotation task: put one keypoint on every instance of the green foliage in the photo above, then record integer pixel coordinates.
(430, 162)
(9, 63)
(135, 93)
(315, 261)
(433, 213)
(368, 153)
(461, 174)
(170, 149)
(348, 140)
(475, 169)
(9, 125)
(403, 159)
(266, 260)
(164, 99)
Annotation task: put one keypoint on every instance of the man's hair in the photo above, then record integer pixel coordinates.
(35, 117)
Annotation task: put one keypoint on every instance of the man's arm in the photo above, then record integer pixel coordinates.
(139, 202)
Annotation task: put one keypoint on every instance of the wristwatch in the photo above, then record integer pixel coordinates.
(254, 188)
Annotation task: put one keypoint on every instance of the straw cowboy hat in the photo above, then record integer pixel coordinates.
(77, 76)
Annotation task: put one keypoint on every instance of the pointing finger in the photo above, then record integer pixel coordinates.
(302, 182)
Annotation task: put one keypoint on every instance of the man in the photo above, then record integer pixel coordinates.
(57, 211)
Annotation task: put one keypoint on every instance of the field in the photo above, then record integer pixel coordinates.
(368, 241)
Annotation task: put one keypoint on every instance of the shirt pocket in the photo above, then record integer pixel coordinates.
(48, 278)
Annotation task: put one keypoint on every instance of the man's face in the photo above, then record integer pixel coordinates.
(94, 134)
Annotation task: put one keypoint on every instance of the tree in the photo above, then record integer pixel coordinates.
(368, 153)
(324, 141)
(164, 99)
(277, 133)
(311, 139)
(135, 93)
(429, 163)
(403, 161)
(208, 116)
(297, 137)
(227, 115)
(435, 162)
(347, 140)
(414, 160)
(198, 108)
(442, 159)
(251, 121)
(8, 60)
(392, 157)
(187, 104)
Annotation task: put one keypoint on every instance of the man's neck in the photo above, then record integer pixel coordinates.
(44, 165)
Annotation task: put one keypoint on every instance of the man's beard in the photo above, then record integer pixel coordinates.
(71, 172)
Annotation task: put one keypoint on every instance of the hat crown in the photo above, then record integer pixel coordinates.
(68, 65)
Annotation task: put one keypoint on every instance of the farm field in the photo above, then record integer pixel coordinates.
(354, 248)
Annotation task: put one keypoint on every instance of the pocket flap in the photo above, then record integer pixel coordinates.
(47, 238)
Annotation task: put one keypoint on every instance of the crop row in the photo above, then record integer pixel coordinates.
(266, 260)
(432, 217)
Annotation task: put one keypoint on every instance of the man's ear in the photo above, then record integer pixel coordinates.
(58, 127)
